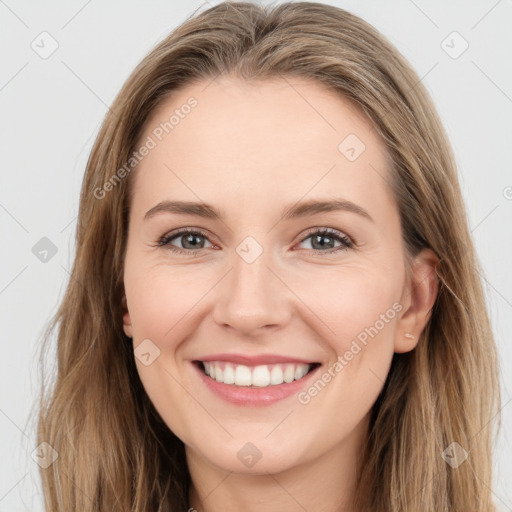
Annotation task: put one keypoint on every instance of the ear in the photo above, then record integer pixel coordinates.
(127, 324)
(418, 298)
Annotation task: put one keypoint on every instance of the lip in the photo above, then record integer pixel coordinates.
(253, 397)
(253, 360)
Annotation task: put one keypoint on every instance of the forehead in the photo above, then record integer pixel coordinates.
(277, 139)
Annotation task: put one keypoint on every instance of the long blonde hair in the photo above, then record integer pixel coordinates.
(115, 453)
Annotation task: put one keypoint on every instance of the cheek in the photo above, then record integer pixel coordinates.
(161, 298)
(357, 311)
(360, 306)
(162, 309)
(353, 302)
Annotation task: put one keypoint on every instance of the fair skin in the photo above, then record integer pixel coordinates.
(250, 150)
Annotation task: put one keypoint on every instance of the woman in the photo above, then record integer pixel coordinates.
(275, 302)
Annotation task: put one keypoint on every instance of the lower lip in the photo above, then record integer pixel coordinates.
(247, 396)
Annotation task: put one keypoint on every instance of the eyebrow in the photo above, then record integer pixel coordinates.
(296, 210)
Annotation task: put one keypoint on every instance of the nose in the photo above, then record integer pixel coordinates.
(252, 298)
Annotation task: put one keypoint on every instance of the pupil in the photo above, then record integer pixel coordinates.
(317, 238)
(190, 239)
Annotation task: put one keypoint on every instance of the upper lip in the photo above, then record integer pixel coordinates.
(253, 360)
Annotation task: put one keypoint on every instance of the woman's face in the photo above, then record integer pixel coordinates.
(261, 280)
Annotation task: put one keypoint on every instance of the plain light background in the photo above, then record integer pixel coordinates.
(51, 109)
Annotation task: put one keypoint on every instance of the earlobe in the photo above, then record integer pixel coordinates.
(127, 325)
(420, 294)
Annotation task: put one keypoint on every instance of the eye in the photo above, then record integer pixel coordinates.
(190, 239)
(323, 240)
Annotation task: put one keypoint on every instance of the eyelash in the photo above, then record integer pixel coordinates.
(346, 242)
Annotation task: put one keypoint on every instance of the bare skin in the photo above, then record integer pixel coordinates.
(251, 150)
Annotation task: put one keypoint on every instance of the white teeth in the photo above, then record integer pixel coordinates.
(300, 372)
(257, 376)
(243, 375)
(289, 373)
(276, 375)
(229, 374)
(261, 376)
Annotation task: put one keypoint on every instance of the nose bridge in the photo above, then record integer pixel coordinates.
(251, 296)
